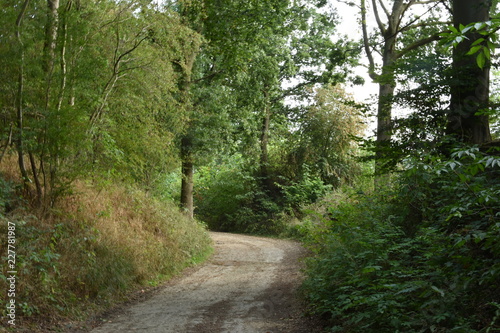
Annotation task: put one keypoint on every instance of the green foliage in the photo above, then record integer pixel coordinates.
(464, 190)
(37, 259)
(105, 105)
(420, 257)
(232, 194)
(308, 190)
(483, 47)
(221, 191)
(326, 142)
(230, 198)
(7, 191)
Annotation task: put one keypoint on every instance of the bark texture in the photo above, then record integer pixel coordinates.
(470, 89)
(267, 182)
(187, 185)
(187, 159)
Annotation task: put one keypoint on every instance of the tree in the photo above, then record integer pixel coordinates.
(326, 142)
(303, 55)
(192, 14)
(87, 90)
(391, 50)
(250, 48)
(20, 93)
(468, 119)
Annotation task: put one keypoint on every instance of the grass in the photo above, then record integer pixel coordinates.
(93, 248)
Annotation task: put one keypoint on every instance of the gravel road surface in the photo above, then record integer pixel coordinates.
(249, 285)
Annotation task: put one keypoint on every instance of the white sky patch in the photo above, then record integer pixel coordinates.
(350, 27)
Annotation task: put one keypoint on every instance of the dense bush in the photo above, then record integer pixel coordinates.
(229, 197)
(420, 257)
(307, 190)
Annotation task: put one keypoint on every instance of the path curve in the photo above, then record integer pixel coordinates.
(249, 286)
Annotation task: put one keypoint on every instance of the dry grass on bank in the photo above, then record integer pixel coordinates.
(93, 248)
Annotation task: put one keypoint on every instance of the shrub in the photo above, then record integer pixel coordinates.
(301, 193)
(422, 257)
(230, 198)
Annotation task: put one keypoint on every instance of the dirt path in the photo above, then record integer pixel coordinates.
(248, 286)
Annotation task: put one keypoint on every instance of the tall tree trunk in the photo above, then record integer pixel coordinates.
(470, 91)
(19, 99)
(64, 70)
(187, 185)
(387, 85)
(386, 80)
(49, 57)
(264, 142)
(51, 35)
(38, 186)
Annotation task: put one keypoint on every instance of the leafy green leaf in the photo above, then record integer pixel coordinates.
(478, 41)
(474, 49)
(369, 269)
(481, 60)
(486, 52)
(491, 45)
(439, 291)
(466, 29)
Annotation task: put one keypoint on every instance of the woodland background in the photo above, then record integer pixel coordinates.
(130, 128)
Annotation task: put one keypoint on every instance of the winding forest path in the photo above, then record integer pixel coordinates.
(249, 285)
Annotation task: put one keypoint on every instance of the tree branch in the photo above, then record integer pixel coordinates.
(425, 24)
(8, 143)
(377, 16)
(132, 49)
(405, 8)
(417, 44)
(447, 6)
(427, 2)
(209, 76)
(411, 25)
(366, 43)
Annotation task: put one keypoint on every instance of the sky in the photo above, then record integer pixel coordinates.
(350, 26)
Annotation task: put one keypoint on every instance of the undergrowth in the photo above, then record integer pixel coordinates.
(230, 198)
(420, 256)
(93, 248)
